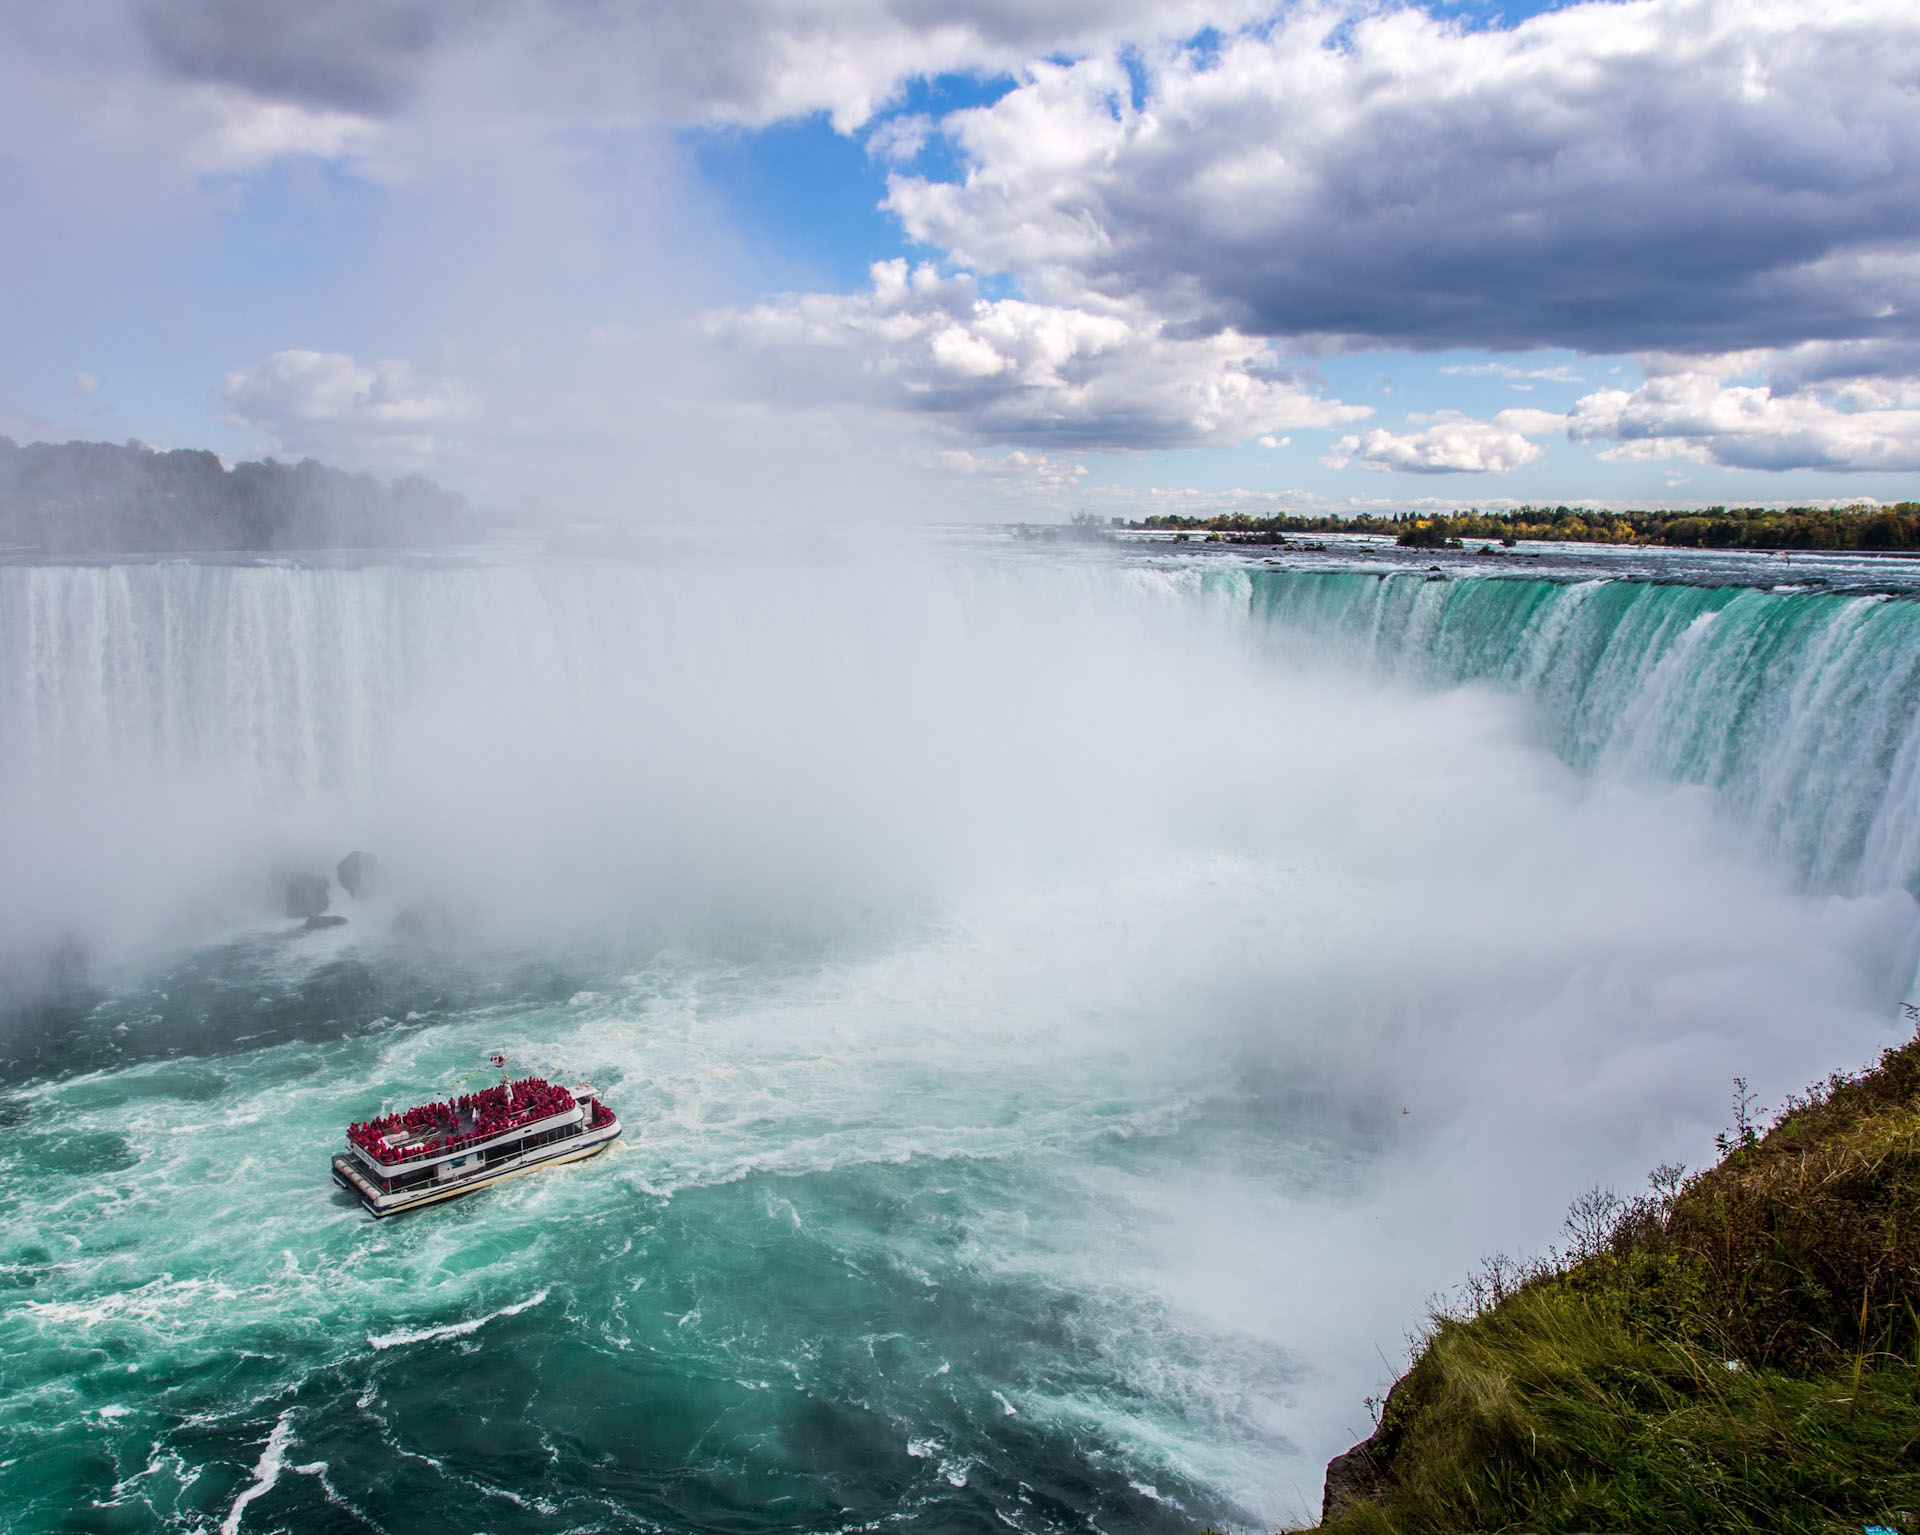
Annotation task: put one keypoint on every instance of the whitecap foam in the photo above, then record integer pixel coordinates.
(387, 1340)
(266, 1472)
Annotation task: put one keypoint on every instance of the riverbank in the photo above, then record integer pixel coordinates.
(1734, 1351)
(1864, 528)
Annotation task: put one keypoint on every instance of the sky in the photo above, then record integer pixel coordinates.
(1002, 260)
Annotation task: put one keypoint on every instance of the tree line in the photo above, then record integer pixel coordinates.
(1861, 527)
(105, 498)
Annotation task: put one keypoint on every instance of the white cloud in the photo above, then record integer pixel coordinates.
(1562, 374)
(897, 140)
(1132, 501)
(1009, 371)
(1454, 444)
(1680, 177)
(1697, 416)
(1033, 475)
(1692, 175)
(230, 130)
(1865, 374)
(386, 415)
(676, 61)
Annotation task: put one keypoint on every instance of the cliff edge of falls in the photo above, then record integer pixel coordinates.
(1738, 1350)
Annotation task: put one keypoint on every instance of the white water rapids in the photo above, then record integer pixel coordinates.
(1071, 1013)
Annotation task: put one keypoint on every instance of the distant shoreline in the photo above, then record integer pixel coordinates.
(1861, 529)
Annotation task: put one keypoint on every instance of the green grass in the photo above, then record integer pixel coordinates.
(1593, 1392)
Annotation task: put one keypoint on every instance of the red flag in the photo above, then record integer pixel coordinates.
(497, 1060)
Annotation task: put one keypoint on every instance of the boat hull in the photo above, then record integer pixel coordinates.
(348, 1174)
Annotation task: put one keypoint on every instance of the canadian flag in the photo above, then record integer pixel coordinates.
(497, 1060)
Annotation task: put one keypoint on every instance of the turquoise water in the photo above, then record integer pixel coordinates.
(1068, 1014)
(840, 1271)
(1801, 709)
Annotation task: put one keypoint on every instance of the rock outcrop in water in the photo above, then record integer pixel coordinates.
(427, 922)
(359, 874)
(308, 895)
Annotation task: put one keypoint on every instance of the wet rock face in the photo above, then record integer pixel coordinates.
(308, 894)
(1366, 1471)
(1351, 1477)
(358, 873)
(315, 924)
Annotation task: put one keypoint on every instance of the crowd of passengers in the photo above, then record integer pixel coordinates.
(485, 1113)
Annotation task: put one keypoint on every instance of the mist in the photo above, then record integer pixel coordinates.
(1072, 1006)
(979, 854)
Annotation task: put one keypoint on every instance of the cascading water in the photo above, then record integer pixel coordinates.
(1068, 1011)
(1801, 709)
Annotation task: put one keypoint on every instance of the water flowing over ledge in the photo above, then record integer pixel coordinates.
(1801, 709)
(1113, 950)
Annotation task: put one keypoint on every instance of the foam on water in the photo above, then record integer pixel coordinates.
(1097, 1027)
(453, 1329)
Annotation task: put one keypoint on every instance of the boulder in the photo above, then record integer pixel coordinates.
(359, 874)
(308, 894)
(425, 922)
(315, 924)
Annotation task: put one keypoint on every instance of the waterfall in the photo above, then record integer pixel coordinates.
(1071, 1009)
(1800, 710)
(693, 732)
(790, 717)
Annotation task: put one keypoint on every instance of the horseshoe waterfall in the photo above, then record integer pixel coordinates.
(1069, 1007)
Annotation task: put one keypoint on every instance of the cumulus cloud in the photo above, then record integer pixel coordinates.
(385, 415)
(752, 61)
(145, 93)
(1454, 444)
(898, 140)
(1133, 502)
(1693, 175)
(1035, 476)
(1674, 177)
(1700, 417)
(1010, 371)
(1866, 374)
(333, 54)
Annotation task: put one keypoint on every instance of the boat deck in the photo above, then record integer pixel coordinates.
(436, 1151)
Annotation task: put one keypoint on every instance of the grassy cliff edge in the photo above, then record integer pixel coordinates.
(1735, 1351)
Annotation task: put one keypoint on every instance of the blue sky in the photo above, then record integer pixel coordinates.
(981, 262)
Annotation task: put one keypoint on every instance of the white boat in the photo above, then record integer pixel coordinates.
(438, 1151)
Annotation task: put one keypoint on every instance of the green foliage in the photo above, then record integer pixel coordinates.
(1752, 527)
(1429, 533)
(1737, 1351)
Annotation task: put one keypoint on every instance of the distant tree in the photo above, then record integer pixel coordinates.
(98, 498)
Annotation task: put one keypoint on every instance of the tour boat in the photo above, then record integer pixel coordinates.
(439, 1150)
